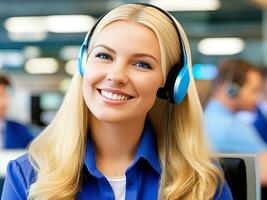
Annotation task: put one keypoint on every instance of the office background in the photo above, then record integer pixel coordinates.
(40, 41)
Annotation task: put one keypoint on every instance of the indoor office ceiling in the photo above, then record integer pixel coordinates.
(235, 18)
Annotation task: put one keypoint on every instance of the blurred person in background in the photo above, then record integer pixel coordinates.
(236, 88)
(13, 135)
(258, 117)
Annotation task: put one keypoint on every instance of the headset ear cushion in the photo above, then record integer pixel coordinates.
(232, 89)
(167, 91)
(176, 86)
(181, 85)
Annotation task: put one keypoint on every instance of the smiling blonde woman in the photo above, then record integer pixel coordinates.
(111, 138)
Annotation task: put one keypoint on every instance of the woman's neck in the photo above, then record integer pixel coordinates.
(115, 144)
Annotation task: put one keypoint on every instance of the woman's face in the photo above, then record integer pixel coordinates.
(123, 72)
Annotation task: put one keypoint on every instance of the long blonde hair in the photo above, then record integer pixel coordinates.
(57, 153)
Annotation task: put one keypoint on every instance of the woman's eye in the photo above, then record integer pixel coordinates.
(103, 56)
(143, 65)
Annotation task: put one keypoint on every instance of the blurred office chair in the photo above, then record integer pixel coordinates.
(241, 173)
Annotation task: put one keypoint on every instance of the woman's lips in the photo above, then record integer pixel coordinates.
(114, 96)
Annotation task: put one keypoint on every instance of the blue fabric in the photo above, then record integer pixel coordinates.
(227, 134)
(260, 124)
(16, 135)
(142, 177)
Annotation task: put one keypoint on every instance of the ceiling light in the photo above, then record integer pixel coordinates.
(187, 5)
(71, 66)
(53, 23)
(69, 52)
(42, 66)
(221, 46)
(27, 37)
(64, 85)
(69, 23)
(25, 25)
(50, 100)
(11, 58)
(31, 52)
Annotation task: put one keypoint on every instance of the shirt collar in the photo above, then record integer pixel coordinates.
(147, 149)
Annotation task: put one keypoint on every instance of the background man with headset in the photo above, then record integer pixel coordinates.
(13, 135)
(258, 118)
(236, 88)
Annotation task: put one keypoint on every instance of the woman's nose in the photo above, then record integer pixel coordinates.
(118, 74)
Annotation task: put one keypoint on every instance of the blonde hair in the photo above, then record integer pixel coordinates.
(58, 153)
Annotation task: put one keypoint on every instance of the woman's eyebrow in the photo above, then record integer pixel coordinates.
(105, 47)
(145, 55)
(135, 55)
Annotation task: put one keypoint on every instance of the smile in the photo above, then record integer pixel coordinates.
(114, 96)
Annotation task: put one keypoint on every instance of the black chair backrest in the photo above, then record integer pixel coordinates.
(242, 175)
(235, 175)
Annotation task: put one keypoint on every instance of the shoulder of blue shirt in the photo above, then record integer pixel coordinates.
(21, 174)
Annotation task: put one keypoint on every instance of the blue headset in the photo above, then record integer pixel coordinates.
(178, 79)
(232, 87)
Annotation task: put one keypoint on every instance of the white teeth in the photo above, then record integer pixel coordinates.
(120, 97)
(116, 97)
(109, 95)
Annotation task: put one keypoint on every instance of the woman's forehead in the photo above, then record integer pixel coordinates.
(130, 35)
(125, 26)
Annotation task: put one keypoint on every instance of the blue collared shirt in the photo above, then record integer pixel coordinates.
(226, 133)
(142, 177)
